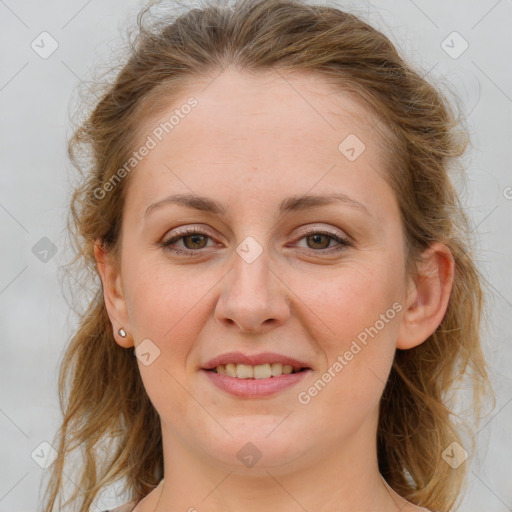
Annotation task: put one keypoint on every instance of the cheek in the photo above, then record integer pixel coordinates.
(168, 306)
(355, 314)
(350, 300)
(163, 301)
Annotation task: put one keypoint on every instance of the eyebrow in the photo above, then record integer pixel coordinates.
(289, 204)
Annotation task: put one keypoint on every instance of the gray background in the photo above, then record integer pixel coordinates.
(36, 96)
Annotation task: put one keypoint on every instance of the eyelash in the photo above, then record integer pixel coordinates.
(343, 242)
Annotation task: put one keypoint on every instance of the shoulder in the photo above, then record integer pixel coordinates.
(127, 507)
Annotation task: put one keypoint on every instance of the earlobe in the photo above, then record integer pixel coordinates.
(428, 296)
(113, 295)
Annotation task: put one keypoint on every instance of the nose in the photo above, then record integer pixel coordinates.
(253, 298)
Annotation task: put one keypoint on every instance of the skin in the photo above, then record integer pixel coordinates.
(251, 141)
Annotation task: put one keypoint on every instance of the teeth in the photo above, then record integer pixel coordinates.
(244, 371)
(287, 368)
(276, 369)
(231, 370)
(260, 371)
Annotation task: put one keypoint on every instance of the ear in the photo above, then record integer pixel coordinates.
(113, 294)
(428, 296)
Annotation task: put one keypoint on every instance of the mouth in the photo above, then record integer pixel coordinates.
(253, 376)
(255, 366)
(258, 382)
(260, 371)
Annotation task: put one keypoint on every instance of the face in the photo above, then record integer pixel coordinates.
(321, 282)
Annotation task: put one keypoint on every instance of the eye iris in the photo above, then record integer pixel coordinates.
(317, 240)
(196, 240)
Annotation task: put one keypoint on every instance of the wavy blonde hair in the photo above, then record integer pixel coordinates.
(101, 393)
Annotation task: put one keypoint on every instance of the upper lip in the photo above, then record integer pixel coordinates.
(254, 360)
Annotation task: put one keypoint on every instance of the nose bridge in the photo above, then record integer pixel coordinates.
(253, 297)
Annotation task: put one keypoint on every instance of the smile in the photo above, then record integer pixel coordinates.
(249, 386)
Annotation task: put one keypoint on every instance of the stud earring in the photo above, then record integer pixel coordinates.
(122, 333)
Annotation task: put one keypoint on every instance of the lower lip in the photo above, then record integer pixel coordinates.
(255, 388)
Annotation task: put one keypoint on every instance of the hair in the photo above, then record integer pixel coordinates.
(101, 393)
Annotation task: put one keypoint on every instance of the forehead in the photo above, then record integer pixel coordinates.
(263, 131)
(235, 105)
(304, 101)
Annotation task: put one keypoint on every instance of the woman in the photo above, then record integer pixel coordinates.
(287, 291)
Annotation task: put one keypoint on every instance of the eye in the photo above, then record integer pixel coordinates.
(193, 239)
(319, 241)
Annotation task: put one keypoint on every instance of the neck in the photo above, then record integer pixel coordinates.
(344, 478)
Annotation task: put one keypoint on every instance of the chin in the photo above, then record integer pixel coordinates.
(262, 445)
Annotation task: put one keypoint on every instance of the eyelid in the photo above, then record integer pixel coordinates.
(190, 230)
(340, 236)
(321, 229)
